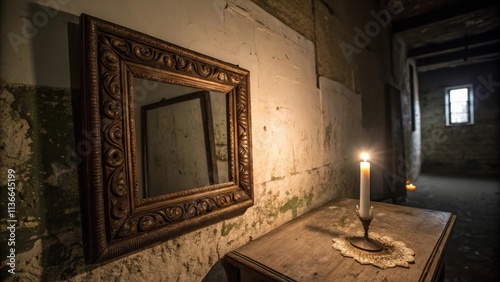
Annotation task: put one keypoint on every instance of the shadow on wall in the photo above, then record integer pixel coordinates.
(49, 233)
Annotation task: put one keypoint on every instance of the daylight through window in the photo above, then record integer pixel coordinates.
(459, 105)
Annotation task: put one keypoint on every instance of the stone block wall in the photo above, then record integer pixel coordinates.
(468, 148)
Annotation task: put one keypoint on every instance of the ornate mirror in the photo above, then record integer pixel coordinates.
(169, 137)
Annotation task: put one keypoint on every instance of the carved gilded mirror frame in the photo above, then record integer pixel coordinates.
(117, 221)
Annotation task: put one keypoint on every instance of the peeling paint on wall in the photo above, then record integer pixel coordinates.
(14, 143)
(328, 136)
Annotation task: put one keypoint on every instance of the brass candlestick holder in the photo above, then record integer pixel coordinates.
(365, 243)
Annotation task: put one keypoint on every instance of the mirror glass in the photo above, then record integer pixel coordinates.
(181, 137)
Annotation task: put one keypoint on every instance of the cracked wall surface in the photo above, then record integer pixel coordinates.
(307, 130)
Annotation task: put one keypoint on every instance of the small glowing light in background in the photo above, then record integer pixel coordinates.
(410, 187)
(364, 156)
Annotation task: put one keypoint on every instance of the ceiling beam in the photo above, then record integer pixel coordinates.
(466, 54)
(451, 11)
(458, 63)
(459, 43)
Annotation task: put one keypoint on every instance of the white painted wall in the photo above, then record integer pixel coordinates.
(304, 137)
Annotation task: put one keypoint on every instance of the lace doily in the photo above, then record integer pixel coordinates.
(395, 253)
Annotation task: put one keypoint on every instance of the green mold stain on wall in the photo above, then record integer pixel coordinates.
(292, 205)
(226, 228)
(295, 203)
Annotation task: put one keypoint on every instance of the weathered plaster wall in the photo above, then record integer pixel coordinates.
(307, 125)
(352, 44)
(468, 148)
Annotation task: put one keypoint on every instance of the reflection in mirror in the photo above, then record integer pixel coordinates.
(181, 136)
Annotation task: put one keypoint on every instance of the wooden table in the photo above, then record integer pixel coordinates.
(301, 250)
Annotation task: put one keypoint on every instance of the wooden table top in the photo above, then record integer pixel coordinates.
(301, 250)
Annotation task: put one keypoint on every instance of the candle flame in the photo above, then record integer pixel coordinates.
(410, 187)
(364, 156)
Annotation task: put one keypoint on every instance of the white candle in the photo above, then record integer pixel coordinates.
(364, 187)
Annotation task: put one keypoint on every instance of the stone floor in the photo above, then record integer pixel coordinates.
(473, 252)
